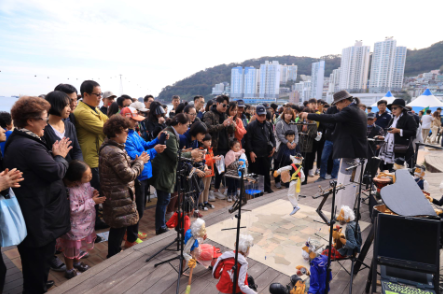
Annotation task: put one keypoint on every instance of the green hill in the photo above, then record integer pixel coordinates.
(417, 61)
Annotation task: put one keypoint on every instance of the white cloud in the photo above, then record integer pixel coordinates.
(154, 44)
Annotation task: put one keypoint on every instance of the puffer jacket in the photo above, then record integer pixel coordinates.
(281, 129)
(117, 175)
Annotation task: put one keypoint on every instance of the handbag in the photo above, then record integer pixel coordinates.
(401, 149)
(12, 224)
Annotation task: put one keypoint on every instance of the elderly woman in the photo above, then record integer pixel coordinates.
(401, 131)
(117, 175)
(58, 127)
(42, 195)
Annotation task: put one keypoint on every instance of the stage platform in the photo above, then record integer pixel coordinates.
(127, 272)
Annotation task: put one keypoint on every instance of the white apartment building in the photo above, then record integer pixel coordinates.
(317, 78)
(237, 82)
(334, 84)
(288, 73)
(354, 67)
(250, 82)
(303, 89)
(218, 89)
(388, 66)
(269, 79)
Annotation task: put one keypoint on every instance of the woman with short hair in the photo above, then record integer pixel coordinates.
(155, 122)
(117, 175)
(58, 128)
(42, 195)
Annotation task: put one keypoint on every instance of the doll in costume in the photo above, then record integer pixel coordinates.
(419, 174)
(205, 254)
(223, 269)
(337, 238)
(318, 266)
(435, 201)
(352, 241)
(297, 177)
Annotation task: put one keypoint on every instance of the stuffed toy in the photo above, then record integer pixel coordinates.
(318, 266)
(205, 254)
(419, 174)
(337, 243)
(223, 269)
(352, 241)
(399, 163)
(297, 176)
(296, 286)
(437, 202)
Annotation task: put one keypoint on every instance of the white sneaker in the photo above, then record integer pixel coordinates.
(229, 199)
(297, 208)
(328, 177)
(311, 173)
(219, 195)
(317, 171)
(226, 192)
(211, 196)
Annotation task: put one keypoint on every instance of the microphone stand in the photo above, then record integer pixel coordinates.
(333, 184)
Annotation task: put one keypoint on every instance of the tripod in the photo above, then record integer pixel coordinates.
(180, 229)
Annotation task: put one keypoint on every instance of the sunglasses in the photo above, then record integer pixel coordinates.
(224, 105)
(394, 108)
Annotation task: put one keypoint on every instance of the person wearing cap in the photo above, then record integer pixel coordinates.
(260, 145)
(369, 109)
(402, 130)
(373, 130)
(135, 146)
(382, 117)
(108, 98)
(140, 107)
(241, 113)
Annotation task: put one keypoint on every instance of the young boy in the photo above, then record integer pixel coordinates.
(223, 269)
(210, 160)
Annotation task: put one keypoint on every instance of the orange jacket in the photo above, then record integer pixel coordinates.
(240, 130)
(209, 158)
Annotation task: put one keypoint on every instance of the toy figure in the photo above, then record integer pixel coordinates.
(297, 176)
(337, 237)
(437, 202)
(296, 286)
(419, 174)
(399, 163)
(223, 269)
(318, 266)
(352, 242)
(205, 254)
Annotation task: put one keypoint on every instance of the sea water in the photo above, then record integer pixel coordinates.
(6, 103)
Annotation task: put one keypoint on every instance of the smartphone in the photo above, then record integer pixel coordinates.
(162, 139)
(388, 129)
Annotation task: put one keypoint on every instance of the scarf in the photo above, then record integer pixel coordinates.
(387, 150)
(28, 132)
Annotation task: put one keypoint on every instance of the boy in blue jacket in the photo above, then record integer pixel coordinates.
(136, 146)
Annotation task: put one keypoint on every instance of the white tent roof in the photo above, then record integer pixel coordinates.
(388, 97)
(426, 100)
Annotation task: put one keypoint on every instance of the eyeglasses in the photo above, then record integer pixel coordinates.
(46, 120)
(98, 94)
(192, 114)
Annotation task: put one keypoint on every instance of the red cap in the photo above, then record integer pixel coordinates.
(131, 112)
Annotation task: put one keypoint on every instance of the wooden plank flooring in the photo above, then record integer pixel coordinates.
(128, 272)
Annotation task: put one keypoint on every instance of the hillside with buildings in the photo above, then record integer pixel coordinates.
(359, 69)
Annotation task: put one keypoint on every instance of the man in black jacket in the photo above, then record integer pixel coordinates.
(350, 141)
(328, 129)
(260, 144)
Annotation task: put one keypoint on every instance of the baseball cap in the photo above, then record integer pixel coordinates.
(240, 103)
(139, 106)
(260, 110)
(371, 115)
(109, 94)
(266, 105)
(131, 112)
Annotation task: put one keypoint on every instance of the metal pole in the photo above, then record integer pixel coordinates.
(235, 268)
(331, 229)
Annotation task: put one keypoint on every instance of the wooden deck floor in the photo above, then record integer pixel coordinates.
(128, 272)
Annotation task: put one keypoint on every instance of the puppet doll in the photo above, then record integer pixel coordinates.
(352, 241)
(223, 269)
(419, 174)
(318, 266)
(297, 176)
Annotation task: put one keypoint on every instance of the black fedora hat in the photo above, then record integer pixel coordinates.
(341, 95)
(400, 102)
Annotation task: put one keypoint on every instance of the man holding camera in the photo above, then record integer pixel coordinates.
(260, 144)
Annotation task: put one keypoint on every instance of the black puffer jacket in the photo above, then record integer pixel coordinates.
(42, 195)
(257, 137)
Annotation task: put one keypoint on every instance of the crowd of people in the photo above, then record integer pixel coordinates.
(70, 161)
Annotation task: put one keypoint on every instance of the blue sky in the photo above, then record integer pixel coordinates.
(155, 43)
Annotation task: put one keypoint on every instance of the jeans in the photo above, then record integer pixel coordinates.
(115, 241)
(163, 199)
(140, 201)
(327, 150)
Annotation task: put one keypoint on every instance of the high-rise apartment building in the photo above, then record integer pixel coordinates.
(354, 67)
(218, 89)
(269, 79)
(334, 84)
(237, 82)
(249, 82)
(303, 90)
(288, 73)
(317, 78)
(388, 66)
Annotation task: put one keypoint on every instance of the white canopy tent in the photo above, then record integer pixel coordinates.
(425, 100)
(388, 97)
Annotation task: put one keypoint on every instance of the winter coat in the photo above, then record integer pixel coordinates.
(353, 240)
(240, 130)
(117, 175)
(89, 125)
(153, 128)
(350, 131)
(135, 146)
(165, 164)
(223, 270)
(50, 138)
(257, 138)
(209, 159)
(281, 129)
(42, 195)
(214, 121)
(408, 126)
(306, 139)
(328, 127)
(186, 141)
